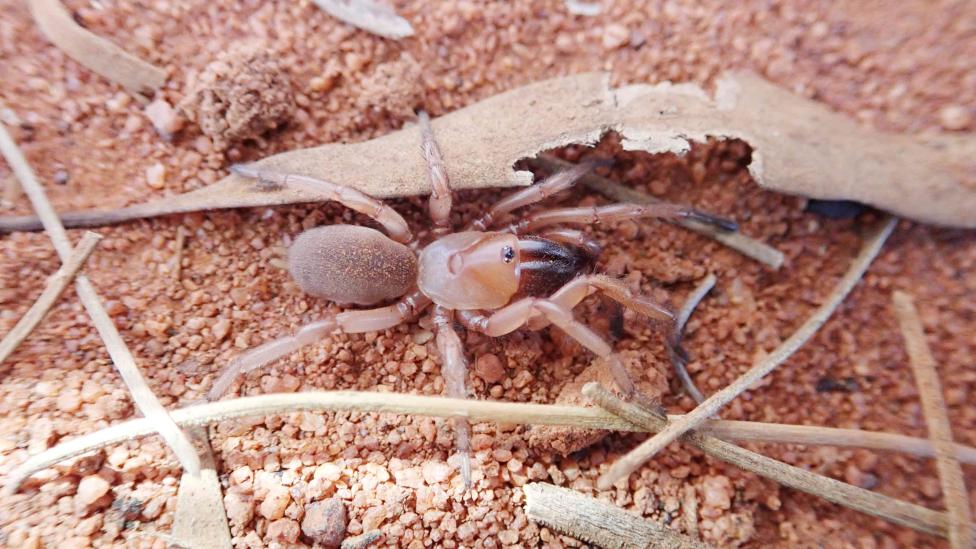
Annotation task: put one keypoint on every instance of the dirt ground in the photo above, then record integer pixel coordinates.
(897, 66)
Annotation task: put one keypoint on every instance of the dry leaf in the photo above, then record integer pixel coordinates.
(799, 147)
(369, 15)
(95, 52)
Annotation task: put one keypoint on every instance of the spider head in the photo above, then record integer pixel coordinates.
(470, 270)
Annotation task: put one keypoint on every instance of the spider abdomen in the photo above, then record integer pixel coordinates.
(351, 264)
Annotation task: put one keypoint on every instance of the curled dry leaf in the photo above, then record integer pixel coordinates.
(799, 147)
(370, 15)
(95, 52)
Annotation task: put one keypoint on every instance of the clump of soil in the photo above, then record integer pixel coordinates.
(243, 94)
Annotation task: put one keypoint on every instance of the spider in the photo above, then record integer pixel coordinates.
(485, 278)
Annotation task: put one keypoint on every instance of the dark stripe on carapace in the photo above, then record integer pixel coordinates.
(546, 266)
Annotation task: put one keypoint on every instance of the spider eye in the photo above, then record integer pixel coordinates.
(508, 254)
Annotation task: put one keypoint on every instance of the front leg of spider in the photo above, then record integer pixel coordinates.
(454, 370)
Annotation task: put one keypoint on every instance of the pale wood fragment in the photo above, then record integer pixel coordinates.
(597, 522)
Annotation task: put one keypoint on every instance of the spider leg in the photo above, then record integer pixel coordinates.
(440, 188)
(553, 184)
(350, 322)
(577, 289)
(351, 198)
(455, 372)
(618, 212)
(512, 316)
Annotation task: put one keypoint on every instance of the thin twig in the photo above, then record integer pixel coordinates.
(749, 247)
(473, 410)
(691, 302)
(937, 419)
(638, 456)
(52, 291)
(95, 52)
(142, 395)
(597, 522)
(178, 254)
(859, 499)
(201, 519)
(689, 510)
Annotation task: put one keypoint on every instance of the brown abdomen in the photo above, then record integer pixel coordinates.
(351, 264)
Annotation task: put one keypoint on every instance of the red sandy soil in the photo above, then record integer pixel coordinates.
(907, 66)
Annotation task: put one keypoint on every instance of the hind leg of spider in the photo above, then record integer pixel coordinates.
(370, 320)
(349, 197)
(455, 371)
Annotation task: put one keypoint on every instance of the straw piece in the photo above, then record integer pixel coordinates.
(650, 447)
(142, 395)
(52, 291)
(937, 420)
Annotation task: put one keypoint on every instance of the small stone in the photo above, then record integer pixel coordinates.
(69, 401)
(274, 504)
(325, 522)
(239, 507)
(164, 118)
(435, 472)
(955, 117)
(481, 441)
(409, 478)
(615, 36)
(220, 329)
(322, 84)
(508, 537)
(77, 542)
(156, 176)
(717, 492)
(489, 368)
(91, 489)
(522, 379)
(284, 530)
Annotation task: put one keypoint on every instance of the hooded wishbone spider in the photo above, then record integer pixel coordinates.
(490, 280)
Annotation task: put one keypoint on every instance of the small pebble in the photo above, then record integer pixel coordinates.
(489, 368)
(156, 176)
(284, 530)
(164, 118)
(955, 117)
(90, 490)
(325, 522)
(274, 504)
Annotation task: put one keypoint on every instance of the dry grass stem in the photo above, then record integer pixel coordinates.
(749, 247)
(201, 519)
(178, 254)
(141, 394)
(691, 302)
(597, 522)
(649, 448)
(937, 419)
(474, 410)
(689, 509)
(95, 52)
(52, 291)
(859, 499)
